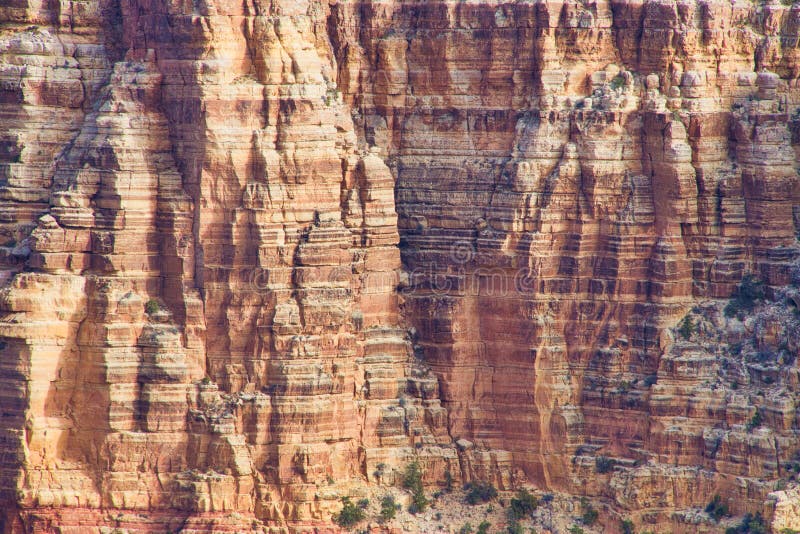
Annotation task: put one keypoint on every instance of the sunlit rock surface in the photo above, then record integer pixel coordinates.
(256, 254)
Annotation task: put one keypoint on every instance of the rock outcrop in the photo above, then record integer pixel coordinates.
(254, 255)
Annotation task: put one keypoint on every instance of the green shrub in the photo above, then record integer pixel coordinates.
(478, 492)
(514, 527)
(466, 528)
(412, 480)
(152, 307)
(522, 505)
(617, 82)
(755, 421)
(744, 299)
(589, 516)
(603, 464)
(575, 529)
(363, 504)
(388, 508)
(751, 524)
(350, 514)
(626, 526)
(716, 508)
(483, 528)
(686, 327)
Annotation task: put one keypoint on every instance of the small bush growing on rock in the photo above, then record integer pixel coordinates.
(412, 480)
(716, 508)
(152, 307)
(483, 527)
(626, 526)
(744, 299)
(363, 504)
(603, 464)
(350, 514)
(590, 515)
(686, 327)
(755, 421)
(448, 481)
(523, 504)
(388, 508)
(514, 527)
(466, 528)
(751, 524)
(575, 529)
(478, 492)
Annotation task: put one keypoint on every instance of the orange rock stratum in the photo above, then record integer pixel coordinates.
(260, 255)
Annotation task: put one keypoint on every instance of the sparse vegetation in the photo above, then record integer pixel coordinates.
(747, 294)
(350, 514)
(448, 481)
(751, 524)
(466, 528)
(412, 481)
(617, 82)
(514, 527)
(575, 529)
(603, 464)
(483, 527)
(755, 421)
(152, 307)
(388, 508)
(363, 504)
(626, 526)
(686, 327)
(590, 515)
(523, 505)
(717, 509)
(479, 492)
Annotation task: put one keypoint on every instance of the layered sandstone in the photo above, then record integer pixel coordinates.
(205, 206)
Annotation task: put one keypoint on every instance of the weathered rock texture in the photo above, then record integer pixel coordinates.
(203, 310)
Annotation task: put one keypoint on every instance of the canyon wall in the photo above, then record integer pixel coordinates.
(257, 254)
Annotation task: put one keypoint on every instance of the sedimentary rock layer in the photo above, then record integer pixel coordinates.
(571, 178)
(256, 253)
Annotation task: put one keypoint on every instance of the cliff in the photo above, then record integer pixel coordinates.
(258, 254)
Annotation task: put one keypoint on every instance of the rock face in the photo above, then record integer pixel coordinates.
(256, 254)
